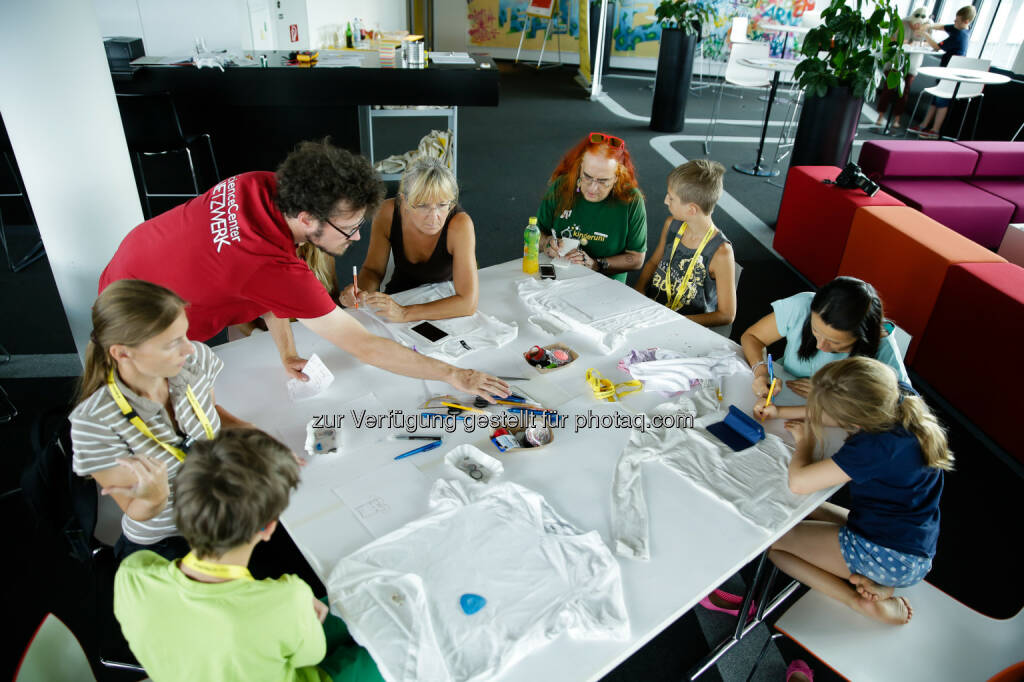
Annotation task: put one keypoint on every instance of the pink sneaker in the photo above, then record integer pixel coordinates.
(733, 600)
(799, 666)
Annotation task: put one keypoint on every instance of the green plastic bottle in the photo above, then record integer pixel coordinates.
(348, 35)
(531, 247)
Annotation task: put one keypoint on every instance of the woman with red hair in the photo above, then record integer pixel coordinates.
(593, 196)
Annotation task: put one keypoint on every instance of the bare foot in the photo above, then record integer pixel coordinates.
(894, 610)
(869, 589)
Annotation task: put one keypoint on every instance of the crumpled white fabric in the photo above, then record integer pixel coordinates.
(541, 576)
(670, 372)
(544, 298)
(437, 144)
(754, 482)
(465, 334)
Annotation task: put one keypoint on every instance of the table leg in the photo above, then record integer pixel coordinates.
(756, 168)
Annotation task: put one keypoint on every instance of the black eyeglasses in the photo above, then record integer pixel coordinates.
(346, 235)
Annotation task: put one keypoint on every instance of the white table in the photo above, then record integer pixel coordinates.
(776, 66)
(958, 76)
(696, 542)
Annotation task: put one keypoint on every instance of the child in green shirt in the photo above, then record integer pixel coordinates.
(206, 617)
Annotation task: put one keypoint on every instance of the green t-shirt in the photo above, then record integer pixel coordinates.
(604, 228)
(180, 629)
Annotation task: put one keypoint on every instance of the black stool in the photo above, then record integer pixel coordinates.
(36, 251)
(152, 128)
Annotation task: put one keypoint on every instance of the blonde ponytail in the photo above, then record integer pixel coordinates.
(916, 418)
(128, 312)
(863, 393)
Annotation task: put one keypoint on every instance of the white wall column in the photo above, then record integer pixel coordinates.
(58, 103)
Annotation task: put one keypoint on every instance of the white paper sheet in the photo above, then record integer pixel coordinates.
(387, 498)
(319, 379)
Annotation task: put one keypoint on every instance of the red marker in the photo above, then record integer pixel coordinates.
(355, 287)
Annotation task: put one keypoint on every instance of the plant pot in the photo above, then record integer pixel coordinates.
(672, 82)
(826, 130)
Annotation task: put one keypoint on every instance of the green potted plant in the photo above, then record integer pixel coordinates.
(681, 22)
(843, 64)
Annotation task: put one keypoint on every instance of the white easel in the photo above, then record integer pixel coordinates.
(544, 9)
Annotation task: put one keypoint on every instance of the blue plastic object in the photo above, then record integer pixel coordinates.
(471, 603)
(738, 430)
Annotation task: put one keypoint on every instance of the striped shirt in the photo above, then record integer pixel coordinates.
(101, 435)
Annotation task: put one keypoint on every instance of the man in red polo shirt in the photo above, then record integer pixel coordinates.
(231, 254)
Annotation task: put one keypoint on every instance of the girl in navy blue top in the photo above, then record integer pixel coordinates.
(894, 460)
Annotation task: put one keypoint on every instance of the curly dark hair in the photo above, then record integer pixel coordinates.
(317, 175)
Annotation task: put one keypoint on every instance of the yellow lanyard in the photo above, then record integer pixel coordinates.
(674, 304)
(222, 571)
(605, 390)
(136, 420)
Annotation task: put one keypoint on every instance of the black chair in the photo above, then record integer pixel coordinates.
(64, 507)
(36, 251)
(152, 128)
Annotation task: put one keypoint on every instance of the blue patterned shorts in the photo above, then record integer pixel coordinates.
(885, 566)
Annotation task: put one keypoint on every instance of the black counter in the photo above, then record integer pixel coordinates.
(257, 114)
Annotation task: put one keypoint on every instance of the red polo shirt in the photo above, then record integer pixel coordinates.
(229, 253)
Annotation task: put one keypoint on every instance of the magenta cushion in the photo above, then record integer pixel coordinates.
(916, 158)
(1000, 159)
(1010, 189)
(963, 208)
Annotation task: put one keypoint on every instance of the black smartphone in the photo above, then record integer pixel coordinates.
(547, 271)
(429, 331)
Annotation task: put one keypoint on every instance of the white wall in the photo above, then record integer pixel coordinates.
(168, 27)
(328, 16)
(65, 129)
(451, 26)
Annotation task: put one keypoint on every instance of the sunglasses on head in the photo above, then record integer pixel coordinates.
(610, 140)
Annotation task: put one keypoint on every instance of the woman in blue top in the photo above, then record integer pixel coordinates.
(844, 318)
(893, 459)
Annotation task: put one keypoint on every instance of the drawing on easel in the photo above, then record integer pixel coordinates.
(540, 8)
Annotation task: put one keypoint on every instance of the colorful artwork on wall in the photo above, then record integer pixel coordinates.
(636, 32)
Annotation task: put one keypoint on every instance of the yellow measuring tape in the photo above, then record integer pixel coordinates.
(129, 412)
(222, 571)
(675, 304)
(605, 390)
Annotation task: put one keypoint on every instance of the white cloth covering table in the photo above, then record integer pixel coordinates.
(695, 541)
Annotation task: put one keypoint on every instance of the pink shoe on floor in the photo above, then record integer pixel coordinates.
(735, 601)
(799, 666)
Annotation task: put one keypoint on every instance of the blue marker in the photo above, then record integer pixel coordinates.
(416, 451)
(771, 369)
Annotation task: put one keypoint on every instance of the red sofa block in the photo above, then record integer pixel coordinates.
(967, 350)
(815, 218)
(905, 255)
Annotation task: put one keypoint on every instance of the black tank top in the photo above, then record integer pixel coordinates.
(437, 268)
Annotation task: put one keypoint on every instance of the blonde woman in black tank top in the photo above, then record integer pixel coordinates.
(431, 239)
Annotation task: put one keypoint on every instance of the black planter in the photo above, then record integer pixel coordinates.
(826, 130)
(672, 83)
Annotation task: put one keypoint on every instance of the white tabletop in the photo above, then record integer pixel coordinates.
(964, 75)
(920, 49)
(784, 28)
(770, 63)
(696, 541)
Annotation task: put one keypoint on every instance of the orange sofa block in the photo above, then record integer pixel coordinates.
(905, 255)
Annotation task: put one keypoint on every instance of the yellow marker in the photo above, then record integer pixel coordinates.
(768, 400)
(462, 407)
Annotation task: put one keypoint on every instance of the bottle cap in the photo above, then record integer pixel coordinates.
(533, 220)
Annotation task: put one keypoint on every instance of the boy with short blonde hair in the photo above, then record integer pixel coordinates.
(696, 275)
(955, 45)
(206, 617)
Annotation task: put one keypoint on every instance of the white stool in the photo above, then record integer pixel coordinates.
(1012, 248)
